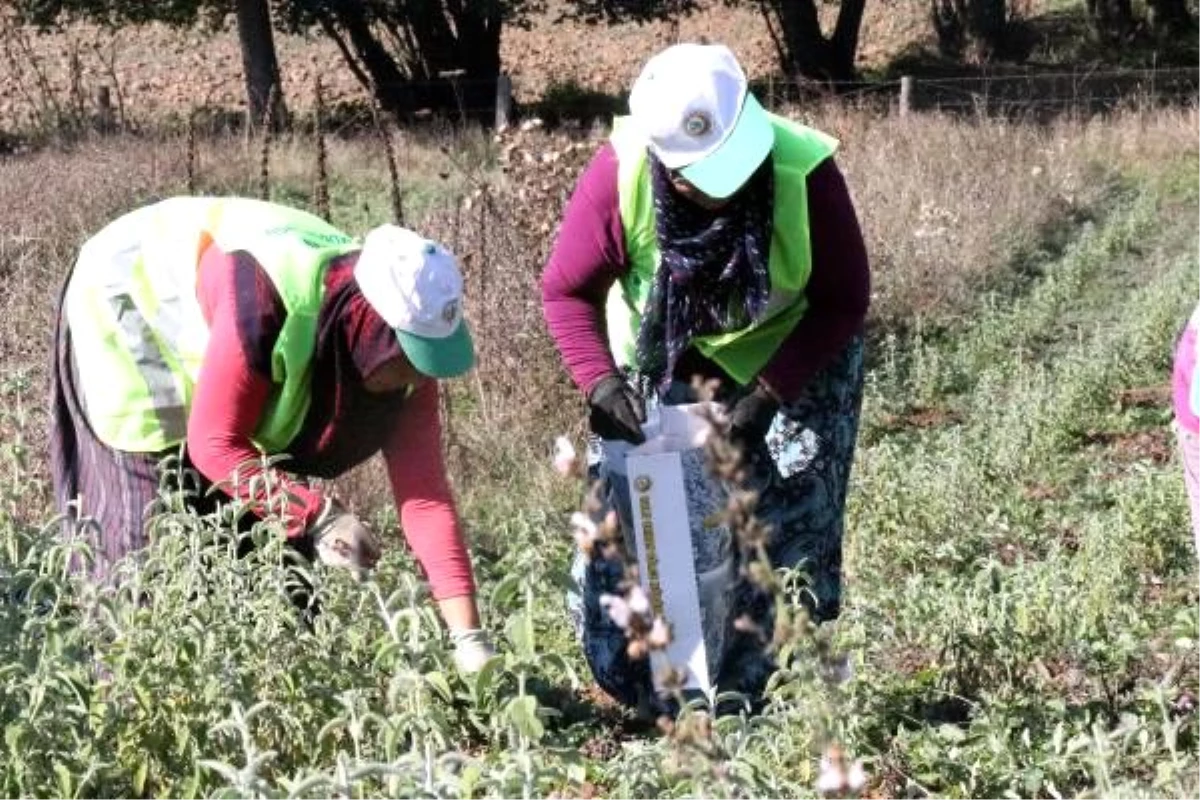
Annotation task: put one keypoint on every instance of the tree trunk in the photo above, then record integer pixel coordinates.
(1171, 18)
(949, 26)
(804, 50)
(445, 58)
(388, 81)
(845, 35)
(431, 42)
(1112, 19)
(260, 66)
(976, 29)
(478, 25)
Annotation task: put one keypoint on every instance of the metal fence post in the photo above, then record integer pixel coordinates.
(503, 101)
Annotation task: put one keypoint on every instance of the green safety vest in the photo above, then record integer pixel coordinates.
(741, 353)
(136, 326)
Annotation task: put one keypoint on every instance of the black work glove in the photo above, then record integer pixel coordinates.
(750, 418)
(617, 410)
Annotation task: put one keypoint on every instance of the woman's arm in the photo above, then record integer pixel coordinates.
(838, 290)
(244, 315)
(428, 517)
(588, 256)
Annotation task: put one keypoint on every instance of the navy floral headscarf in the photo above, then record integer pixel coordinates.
(713, 277)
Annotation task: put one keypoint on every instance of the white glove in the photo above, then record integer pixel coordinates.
(341, 540)
(472, 649)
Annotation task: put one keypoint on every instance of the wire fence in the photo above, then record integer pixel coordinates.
(1017, 92)
(1003, 92)
(998, 92)
(454, 99)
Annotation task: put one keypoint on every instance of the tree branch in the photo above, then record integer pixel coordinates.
(347, 54)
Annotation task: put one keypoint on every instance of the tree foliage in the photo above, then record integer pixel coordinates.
(445, 54)
(1113, 19)
(613, 12)
(1171, 18)
(46, 14)
(416, 54)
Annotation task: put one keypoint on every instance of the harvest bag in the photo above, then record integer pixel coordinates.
(686, 560)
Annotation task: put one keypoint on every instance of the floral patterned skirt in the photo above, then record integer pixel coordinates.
(801, 471)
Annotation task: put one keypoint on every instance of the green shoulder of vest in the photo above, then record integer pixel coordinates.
(800, 147)
(294, 249)
(293, 246)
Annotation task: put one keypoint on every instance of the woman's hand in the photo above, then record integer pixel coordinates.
(472, 649)
(618, 411)
(472, 643)
(342, 540)
(750, 418)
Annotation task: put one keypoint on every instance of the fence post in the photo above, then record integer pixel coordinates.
(104, 110)
(906, 94)
(503, 101)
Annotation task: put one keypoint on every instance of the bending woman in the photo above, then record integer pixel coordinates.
(240, 328)
(712, 238)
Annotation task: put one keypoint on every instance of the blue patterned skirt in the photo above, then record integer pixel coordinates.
(801, 471)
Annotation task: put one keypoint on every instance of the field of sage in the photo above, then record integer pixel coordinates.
(1020, 616)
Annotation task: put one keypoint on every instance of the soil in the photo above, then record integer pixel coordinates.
(919, 417)
(1155, 445)
(1145, 397)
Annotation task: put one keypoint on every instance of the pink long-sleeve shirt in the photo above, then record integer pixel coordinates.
(345, 424)
(589, 255)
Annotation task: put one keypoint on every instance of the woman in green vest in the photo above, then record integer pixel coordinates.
(230, 330)
(711, 238)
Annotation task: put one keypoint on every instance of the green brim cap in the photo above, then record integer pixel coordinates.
(726, 169)
(448, 357)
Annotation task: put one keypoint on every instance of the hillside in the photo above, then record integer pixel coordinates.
(155, 71)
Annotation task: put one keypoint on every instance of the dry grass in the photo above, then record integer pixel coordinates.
(946, 204)
(52, 201)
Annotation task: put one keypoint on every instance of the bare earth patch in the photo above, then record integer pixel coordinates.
(1154, 445)
(919, 417)
(1145, 397)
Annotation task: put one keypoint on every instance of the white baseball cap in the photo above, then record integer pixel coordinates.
(416, 286)
(692, 105)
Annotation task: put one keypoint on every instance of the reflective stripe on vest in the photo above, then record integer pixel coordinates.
(741, 353)
(139, 335)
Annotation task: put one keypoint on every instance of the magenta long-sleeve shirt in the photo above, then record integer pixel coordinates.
(589, 255)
